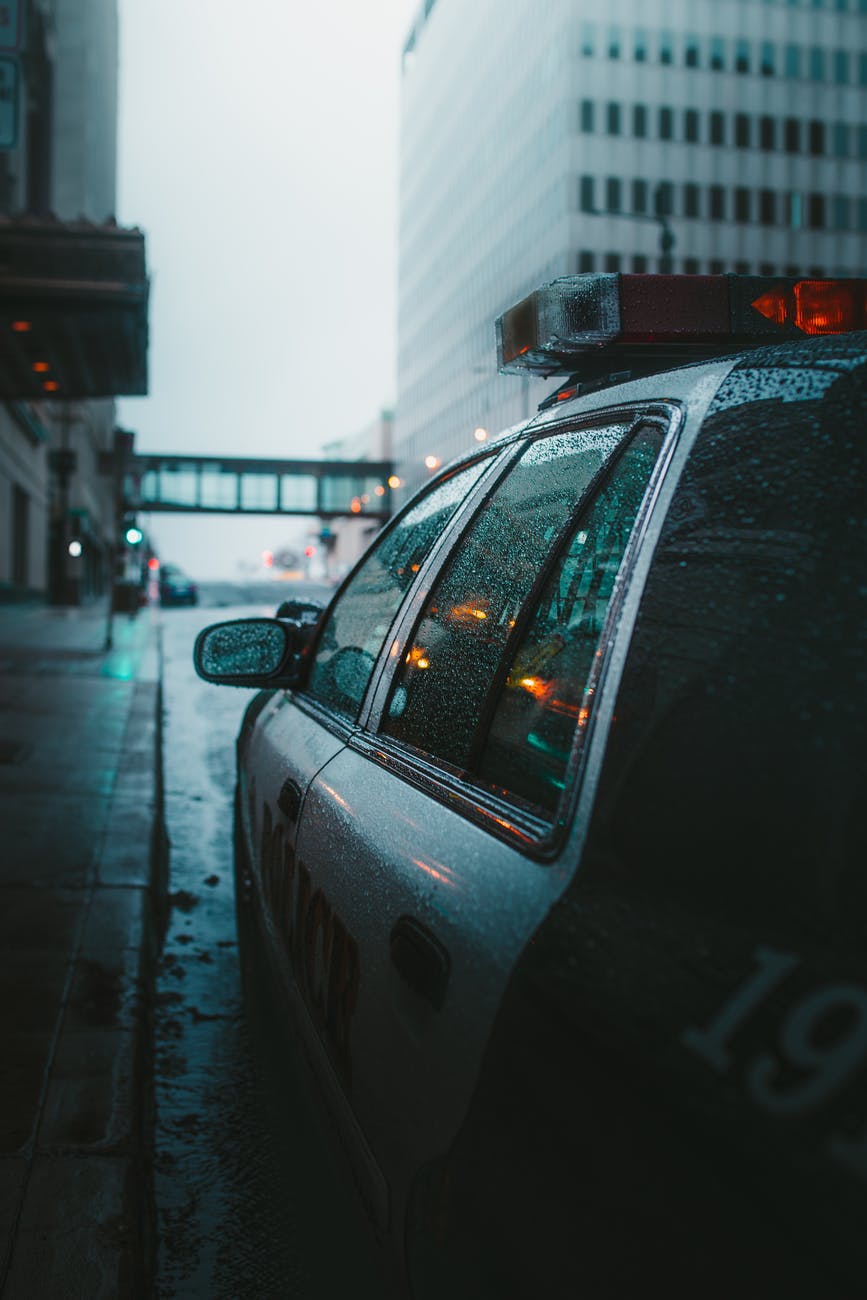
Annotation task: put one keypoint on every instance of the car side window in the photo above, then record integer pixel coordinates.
(357, 624)
(468, 624)
(547, 692)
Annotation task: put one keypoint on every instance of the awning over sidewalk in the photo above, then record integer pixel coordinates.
(73, 310)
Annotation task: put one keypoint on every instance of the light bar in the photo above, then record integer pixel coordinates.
(548, 332)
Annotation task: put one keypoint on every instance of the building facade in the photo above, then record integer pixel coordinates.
(697, 136)
(72, 298)
(340, 542)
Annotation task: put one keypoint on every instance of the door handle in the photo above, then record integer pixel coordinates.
(421, 959)
(289, 799)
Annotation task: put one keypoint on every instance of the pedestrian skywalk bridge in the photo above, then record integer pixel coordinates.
(220, 485)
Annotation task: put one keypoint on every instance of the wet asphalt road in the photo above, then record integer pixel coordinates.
(251, 1199)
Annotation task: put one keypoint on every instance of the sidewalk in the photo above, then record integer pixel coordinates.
(82, 862)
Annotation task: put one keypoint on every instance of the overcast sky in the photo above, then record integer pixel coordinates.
(258, 152)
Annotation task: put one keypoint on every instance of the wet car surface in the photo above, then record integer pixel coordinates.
(552, 835)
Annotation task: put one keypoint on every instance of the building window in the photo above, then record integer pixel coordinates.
(793, 61)
(640, 45)
(767, 207)
(666, 123)
(613, 119)
(20, 536)
(840, 212)
(614, 39)
(639, 195)
(612, 261)
(717, 128)
(862, 69)
(691, 50)
(742, 130)
(792, 135)
(743, 205)
(639, 264)
(690, 126)
(862, 214)
(742, 268)
(612, 194)
(766, 268)
(742, 56)
(767, 132)
(817, 63)
(716, 266)
(691, 207)
(841, 139)
(588, 194)
(768, 60)
(793, 210)
(588, 115)
(717, 196)
(666, 47)
(663, 199)
(816, 138)
(717, 53)
(862, 141)
(588, 40)
(841, 67)
(586, 261)
(690, 266)
(816, 211)
(639, 120)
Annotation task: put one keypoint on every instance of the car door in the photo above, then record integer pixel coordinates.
(434, 831)
(294, 734)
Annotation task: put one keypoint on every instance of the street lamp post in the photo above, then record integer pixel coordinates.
(666, 234)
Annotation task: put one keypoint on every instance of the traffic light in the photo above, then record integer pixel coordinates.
(132, 534)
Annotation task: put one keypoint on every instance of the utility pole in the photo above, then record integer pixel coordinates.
(667, 239)
(120, 455)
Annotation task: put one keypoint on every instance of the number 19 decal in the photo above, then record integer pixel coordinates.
(810, 1064)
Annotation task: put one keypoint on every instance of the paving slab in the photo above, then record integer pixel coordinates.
(73, 1241)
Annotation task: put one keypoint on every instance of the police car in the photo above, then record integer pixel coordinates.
(553, 825)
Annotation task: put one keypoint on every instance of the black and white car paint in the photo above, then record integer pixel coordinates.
(581, 1042)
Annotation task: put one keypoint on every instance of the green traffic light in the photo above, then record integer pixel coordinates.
(134, 536)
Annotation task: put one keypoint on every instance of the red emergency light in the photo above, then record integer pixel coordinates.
(681, 316)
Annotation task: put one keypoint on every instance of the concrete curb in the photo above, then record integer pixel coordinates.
(86, 1225)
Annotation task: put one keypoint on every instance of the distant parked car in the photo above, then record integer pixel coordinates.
(305, 600)
(176, 588)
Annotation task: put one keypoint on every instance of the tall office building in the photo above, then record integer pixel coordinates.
(697, 136)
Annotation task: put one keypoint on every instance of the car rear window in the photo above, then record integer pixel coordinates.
(495, 675)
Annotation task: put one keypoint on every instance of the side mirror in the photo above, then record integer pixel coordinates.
(258, 652)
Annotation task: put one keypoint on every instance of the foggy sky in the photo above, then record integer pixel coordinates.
(258, 152)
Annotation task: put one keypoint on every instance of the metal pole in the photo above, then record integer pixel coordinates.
(113, 552)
